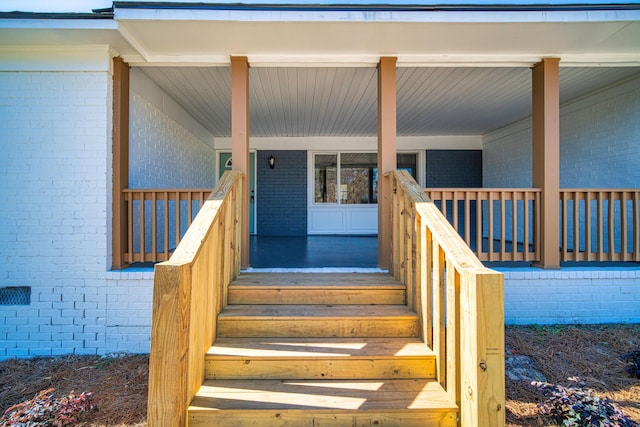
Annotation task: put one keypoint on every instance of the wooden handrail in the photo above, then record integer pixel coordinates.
(500, 223)
(600, 224)
(189, 292)
(443, 276)
(157, 219)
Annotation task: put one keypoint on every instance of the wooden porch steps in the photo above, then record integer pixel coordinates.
(317, 321)
(302, 403)
(320, 349)
(316, 288)
(319, 358)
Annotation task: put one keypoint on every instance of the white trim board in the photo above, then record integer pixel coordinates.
(370, 143)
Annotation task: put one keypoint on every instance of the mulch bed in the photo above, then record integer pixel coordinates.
(588, 353)
(119, 385)
(568, 354)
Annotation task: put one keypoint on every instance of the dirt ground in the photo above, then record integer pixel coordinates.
(591, 353)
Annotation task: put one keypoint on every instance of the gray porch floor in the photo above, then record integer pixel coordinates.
(313, 251)
(354, 252)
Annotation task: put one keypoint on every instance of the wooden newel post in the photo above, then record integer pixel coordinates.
(168, 360)
(482, 388)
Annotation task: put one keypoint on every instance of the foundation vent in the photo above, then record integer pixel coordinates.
(15, 295)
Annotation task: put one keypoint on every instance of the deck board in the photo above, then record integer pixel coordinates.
(291, 311)
(293, 348)
(358, 395)
(317, 321)
(320, 358)
(318, 279)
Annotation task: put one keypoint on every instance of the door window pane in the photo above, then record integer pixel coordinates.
(325, 178)
(357, 178)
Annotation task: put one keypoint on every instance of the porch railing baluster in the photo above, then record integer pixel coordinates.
(499, 222)
(615, 226)
(596, 224)
(152, 226)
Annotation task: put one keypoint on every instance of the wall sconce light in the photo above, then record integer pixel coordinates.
(272, 162)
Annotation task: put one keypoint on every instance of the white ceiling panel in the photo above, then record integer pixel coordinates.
(330, 101)
(460, 101)
(313, 101)
(204, 92)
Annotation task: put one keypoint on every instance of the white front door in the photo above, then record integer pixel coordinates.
(343, 193)
(343, 190)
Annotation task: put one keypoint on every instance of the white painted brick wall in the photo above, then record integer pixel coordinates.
(572, 295)
(601, 139)
(53, 219)
(128, 317)
(165, 152)
(599, 148)
(506, 157)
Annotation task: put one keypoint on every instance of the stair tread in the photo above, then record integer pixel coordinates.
(319, 280)
(334, 348)
(316, 311)
(333, 395)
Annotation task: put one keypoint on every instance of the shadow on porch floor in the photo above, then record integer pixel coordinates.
(314, 251)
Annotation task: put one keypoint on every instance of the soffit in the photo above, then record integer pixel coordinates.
(17, 33)
(289, 43)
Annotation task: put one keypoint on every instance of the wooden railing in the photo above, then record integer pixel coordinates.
(499, 224)
(188, 294)
(600, 224)
(503, 224)
(459, 301)
(157, 220)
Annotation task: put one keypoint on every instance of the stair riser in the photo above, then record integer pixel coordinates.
(318, 327)
(320, 369)
(318, 419)
(316, 296)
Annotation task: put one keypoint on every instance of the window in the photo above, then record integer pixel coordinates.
(325, 178)
(357, 183)
(352, 178)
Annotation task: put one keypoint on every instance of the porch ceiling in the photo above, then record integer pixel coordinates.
(341, 101)
(313, 69)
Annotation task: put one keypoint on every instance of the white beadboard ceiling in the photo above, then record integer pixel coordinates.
(299, 102)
